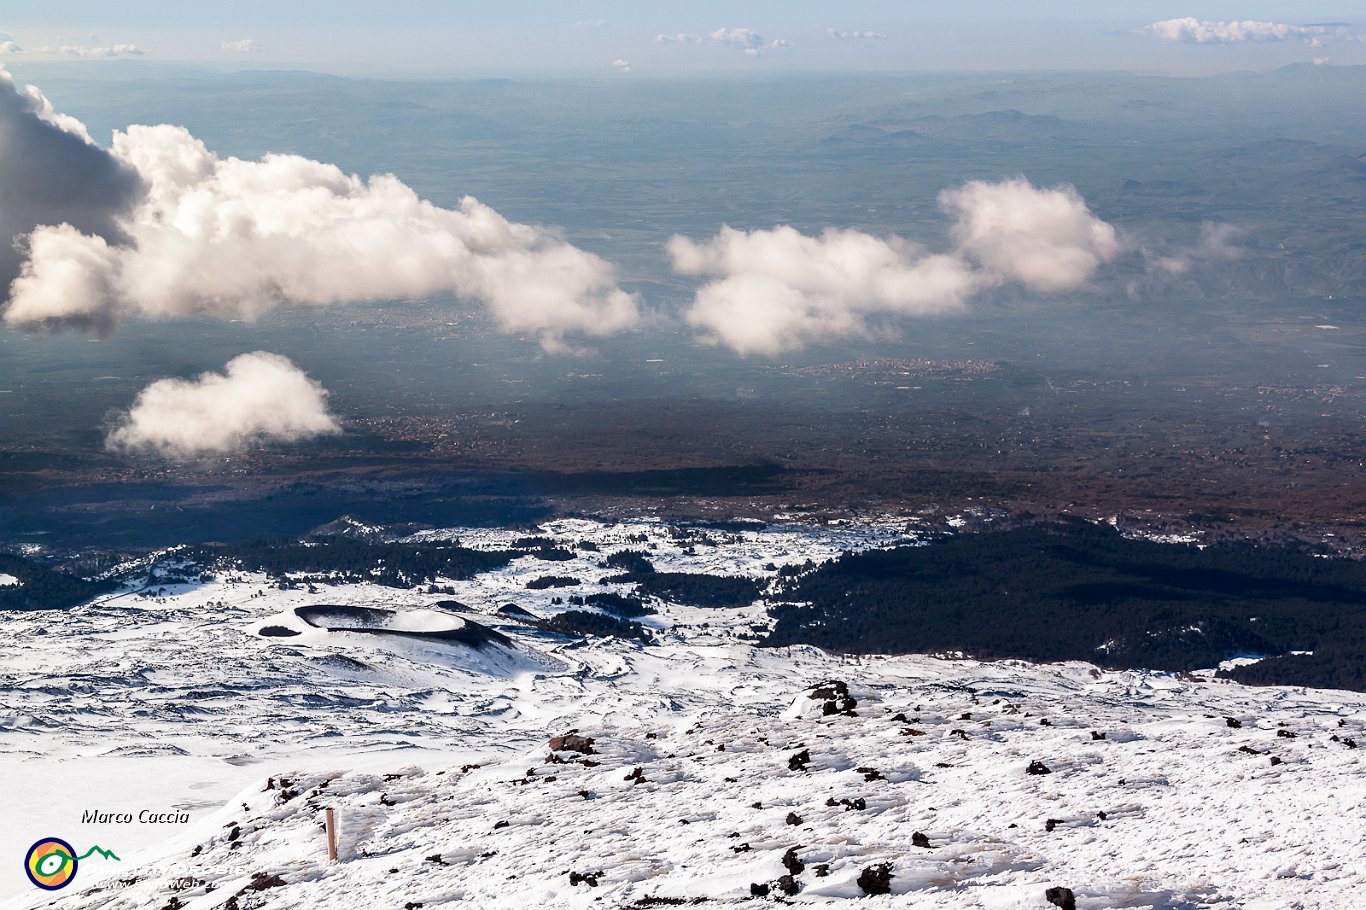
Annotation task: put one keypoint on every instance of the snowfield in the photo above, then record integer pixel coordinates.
(717, 772)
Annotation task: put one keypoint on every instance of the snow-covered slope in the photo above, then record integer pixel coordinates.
(435, 755)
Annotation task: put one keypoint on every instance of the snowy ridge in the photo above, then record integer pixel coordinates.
(1164, 811)
(1160, 791)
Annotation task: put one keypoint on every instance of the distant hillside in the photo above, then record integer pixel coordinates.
(1082, 592)
(30, 586)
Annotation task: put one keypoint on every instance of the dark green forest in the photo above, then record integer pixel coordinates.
(1078, 591)
(41, 588)
(582, 622)
(622, 605)
(392, 564)
(691, 588)
(697, 589)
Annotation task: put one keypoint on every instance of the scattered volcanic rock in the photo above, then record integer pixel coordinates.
(876, 879)
(572, 742)
(1061, 897)
(836, 698)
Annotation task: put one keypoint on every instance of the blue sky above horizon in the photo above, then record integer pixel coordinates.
(616, 37)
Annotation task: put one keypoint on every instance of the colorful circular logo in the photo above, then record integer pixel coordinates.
(51, 863)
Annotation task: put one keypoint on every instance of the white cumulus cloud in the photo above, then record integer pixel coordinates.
(232, 238)
(678, 38)
(1045, 239)
(240, 46)
(747, 40)
(99, 52)
(1207, 31)
(854, 35)
(622, 65)
(777, 290)
(1216, 243)
(259, 398)
(52, 173)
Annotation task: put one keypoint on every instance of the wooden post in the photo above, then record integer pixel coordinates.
(331, 834)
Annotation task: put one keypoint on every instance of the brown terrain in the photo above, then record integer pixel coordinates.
(1274, 463)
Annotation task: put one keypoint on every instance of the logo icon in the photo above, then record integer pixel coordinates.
(51, 863)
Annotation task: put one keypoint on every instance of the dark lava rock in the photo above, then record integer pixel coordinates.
(1061, 897)
(1037, 767)
(826, 691)
(757, 889)
(571, 742)
(788, 885)
(279, 632)
(516, 612)
(799, 761)
(1233, 723)
(260, 881)
(876, 879)
(793, 818)
(920, 840)
(843, 706)
(791, 863)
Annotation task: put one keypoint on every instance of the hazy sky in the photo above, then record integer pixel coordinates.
(631, 39)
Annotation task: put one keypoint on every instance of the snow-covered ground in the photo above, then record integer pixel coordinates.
(1162, 792)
